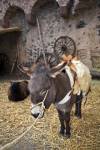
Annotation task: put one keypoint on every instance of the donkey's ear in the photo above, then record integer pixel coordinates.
(57, 69)
(25, 70)
(53, 75)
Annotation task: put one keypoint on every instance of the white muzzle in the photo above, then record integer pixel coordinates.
(37, 110)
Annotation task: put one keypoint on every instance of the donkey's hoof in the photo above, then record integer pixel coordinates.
(67, 136)
(79, 116)
(61, 133)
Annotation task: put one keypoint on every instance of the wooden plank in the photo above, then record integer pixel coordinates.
(95, 74)
(11, 29)
(95, 55)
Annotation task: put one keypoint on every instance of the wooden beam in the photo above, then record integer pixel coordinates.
(95, 74)
(11, 29)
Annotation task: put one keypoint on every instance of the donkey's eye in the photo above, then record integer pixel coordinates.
(42, 92)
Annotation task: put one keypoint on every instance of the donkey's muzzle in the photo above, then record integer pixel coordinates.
(37, 111)
(35, 115)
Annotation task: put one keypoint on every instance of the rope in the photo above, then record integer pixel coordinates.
(8, 145)
(42, 103)
(28, 129)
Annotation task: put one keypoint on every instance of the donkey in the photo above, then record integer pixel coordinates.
(18, 90)
(50, 85)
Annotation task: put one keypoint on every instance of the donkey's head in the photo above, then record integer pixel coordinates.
(42, 87)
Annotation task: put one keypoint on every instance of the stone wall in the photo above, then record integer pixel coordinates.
(53, 25)
(25, 5)
(84, 28)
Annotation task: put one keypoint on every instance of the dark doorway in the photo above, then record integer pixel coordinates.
(8, 51)
(4, 63)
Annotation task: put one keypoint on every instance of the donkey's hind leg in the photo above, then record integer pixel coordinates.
(61, 118)
(78, 104)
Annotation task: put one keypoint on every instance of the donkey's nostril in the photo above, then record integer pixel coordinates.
(35, 115)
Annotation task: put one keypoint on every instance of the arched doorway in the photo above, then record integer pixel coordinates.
(12, 39)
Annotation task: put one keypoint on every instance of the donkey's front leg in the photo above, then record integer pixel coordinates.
(61, 118)
(67, 122)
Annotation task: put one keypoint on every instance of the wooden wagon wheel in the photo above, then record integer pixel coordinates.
(64, 45)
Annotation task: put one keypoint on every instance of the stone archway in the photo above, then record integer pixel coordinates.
(36, 7)
(13, 37)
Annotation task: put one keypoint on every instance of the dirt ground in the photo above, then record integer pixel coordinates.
(15, 118)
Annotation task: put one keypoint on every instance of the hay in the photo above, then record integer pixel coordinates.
(15, 118)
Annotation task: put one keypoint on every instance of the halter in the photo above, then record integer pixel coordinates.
(42, 103)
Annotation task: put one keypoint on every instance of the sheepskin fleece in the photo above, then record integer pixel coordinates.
(83, 82)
